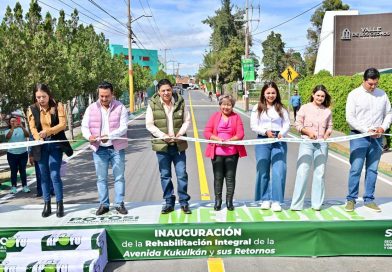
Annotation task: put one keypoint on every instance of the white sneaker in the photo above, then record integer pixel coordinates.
(275, 207)
(265, 205)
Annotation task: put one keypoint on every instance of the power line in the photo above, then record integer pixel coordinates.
(101, 19)
(153, 17)
(114, 29)
(289, 19)
(152, 27)
(105, 30)
(101, 8)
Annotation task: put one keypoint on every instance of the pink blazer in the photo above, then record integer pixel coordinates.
(237, 130)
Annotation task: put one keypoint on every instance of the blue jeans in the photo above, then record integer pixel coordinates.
(165, 160)
(38, 178)
(308, 153)
(49, 166)
(266, 155)
(369, 149)
(17, 162)
(102, 158)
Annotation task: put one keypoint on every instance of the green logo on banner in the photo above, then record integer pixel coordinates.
(10, 242)
(62, 241)
(15, 244)
(49, 268)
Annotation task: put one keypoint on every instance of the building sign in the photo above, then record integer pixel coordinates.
(365, 32)
(360, 42)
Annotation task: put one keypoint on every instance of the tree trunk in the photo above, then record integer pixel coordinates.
(69, 119)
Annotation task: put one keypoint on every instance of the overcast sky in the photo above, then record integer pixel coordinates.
(176, 24)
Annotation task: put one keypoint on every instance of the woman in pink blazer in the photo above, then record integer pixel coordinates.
(224, 126)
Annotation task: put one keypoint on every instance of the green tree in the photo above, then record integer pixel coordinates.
(273, 53)
(294, 59)
(224, 26)
(162, 75)
(71, 58)
(223, 62)
(142, 78)
(315, 31)
(230, 61)
(14, 57)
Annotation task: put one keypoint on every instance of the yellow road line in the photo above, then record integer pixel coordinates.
(215, 265)
(204, 192)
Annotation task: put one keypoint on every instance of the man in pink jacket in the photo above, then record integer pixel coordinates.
(104, 122)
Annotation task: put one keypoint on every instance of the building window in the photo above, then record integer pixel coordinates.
(146, 58)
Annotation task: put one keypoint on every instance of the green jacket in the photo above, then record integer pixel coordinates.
(160, 121)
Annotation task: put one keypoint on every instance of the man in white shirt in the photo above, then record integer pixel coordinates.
(167, 117)
(368, 109)
(105, 125)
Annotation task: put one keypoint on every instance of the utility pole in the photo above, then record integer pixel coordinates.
(173, 61)
(130, 70)
(178, 69)
(165, 49)
(246, 92)
(246, 56)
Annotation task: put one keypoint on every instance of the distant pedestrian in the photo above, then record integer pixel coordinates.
(368, 109)
(217, 94)
(270, 119)
(314, 121)
(145, 98)
(168, 117)
(17, 157)
(103, 122)
(295, 102)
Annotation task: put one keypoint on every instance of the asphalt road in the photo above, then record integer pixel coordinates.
(142, 184)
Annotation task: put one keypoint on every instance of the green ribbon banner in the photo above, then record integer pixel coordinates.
(250, 239)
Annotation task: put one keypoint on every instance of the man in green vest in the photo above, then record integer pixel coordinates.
(168, 118)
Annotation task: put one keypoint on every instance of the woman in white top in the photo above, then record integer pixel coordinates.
(270, 119)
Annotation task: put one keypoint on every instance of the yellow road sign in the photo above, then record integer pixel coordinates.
(289, 74)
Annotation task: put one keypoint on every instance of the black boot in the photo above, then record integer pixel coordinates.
(229, 203)
(230, 186)
(218, 203)
(47, 209)
(218, 186)
(60, 209)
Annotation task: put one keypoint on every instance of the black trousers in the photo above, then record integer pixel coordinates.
(224, 167)
(295, 110)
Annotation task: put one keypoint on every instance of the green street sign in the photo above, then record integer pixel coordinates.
(248, 69)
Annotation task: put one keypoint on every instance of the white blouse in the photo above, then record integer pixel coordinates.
(269, 120)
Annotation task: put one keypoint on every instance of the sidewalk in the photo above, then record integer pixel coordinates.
(4, 167)
(342, 148)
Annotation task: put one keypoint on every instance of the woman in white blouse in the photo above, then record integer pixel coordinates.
(270, 119)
